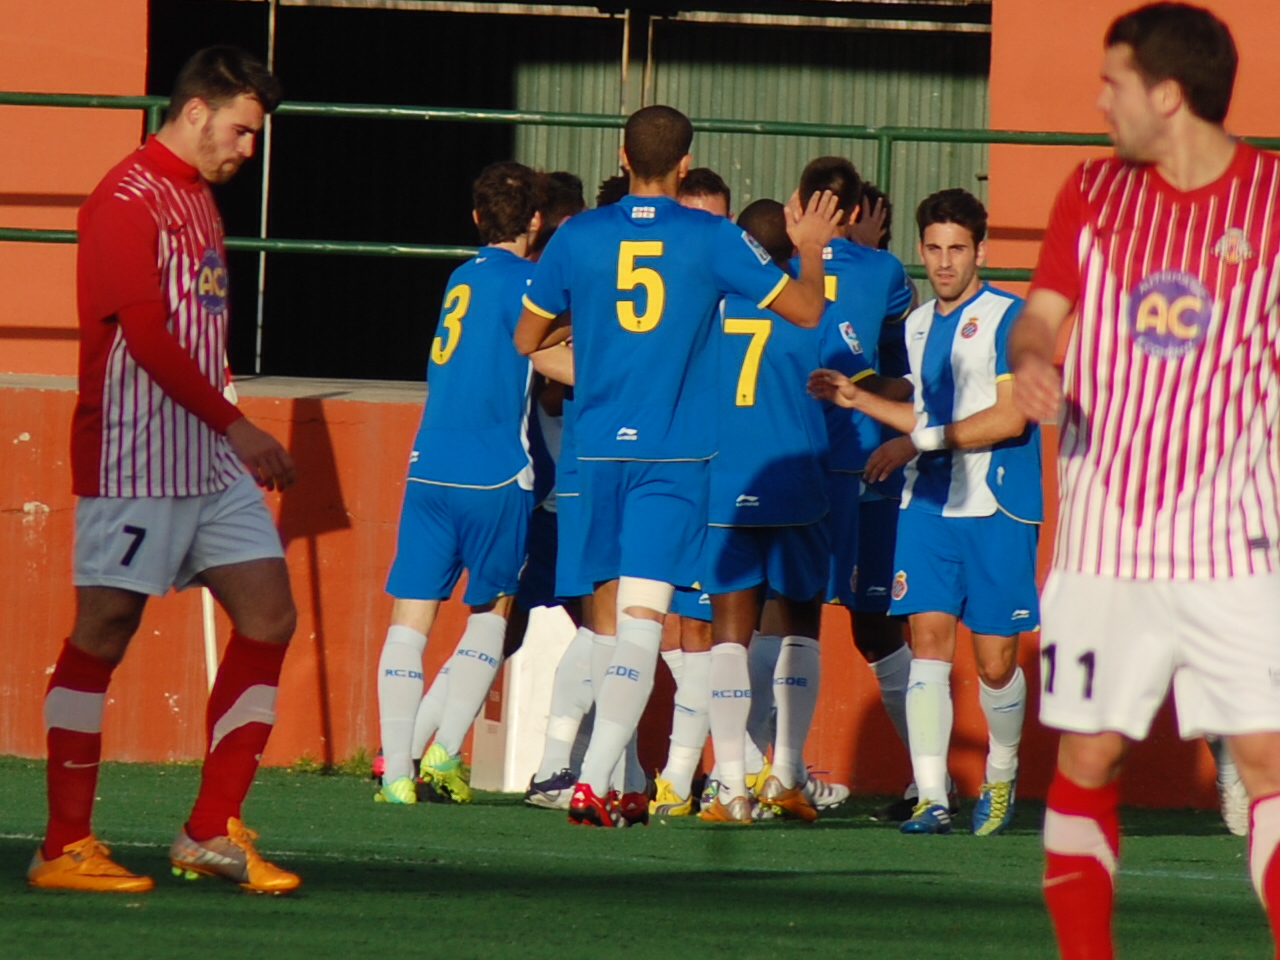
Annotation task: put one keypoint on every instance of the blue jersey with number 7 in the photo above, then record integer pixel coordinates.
(643, 279)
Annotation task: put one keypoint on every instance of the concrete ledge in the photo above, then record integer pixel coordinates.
(287, 388)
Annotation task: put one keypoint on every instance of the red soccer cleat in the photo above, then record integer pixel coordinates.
(592, 811)
(634, 808)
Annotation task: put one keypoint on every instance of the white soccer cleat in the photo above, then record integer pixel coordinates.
(824, 795)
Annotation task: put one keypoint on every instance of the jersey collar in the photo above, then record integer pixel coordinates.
(168, 163)
(983, 287)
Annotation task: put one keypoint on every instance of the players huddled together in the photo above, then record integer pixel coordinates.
(646, 409)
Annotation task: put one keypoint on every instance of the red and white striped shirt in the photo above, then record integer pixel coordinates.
(150, 237)
(1167, 467)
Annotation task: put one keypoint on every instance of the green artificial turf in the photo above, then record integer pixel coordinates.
(497, 879)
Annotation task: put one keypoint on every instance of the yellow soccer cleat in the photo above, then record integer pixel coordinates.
(449, 775)
(85, 865)
(738, 810)
(231, 857)
(399, 790)
(787, 801)
(668, 803)
(756, 781)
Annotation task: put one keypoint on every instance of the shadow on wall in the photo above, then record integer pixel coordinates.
(312, 507)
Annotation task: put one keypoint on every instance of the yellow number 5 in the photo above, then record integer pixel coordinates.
(456, 303)
(630, 276)
(759, 331)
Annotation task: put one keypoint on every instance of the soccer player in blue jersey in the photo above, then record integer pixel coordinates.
(643, 278)
(468, 494)
(971, 507)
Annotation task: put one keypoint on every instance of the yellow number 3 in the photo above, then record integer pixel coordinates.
(630, 276)
(456, 303)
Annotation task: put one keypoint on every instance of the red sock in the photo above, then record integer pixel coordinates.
(73, 734)
(1082, 851)
(238, 721)
(1264, 865)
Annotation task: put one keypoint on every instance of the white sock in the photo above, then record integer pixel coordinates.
(762, 657)
(795, 688)
(1004, 709)
(471, 671)
(674, 659)
(730, 704)
(755, 759)
(430, 713)
(633, 778)
(580, 742)
(570, 700)
(399, 692)
(621, 699)
(891, 673)
(929, 717)
(689, 722)
(1228, 773)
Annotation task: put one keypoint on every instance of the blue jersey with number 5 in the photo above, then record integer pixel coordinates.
(642, 279)
(473, 425)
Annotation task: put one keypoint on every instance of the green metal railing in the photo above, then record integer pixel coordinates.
(885, 138)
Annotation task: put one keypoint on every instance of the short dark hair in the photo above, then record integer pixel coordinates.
(1186, 44)
(561, 198)
(871, 195)
(217, 75)
(655, 138)
(766, 221)
(613, 189)
(839, 176)
(953, 206)
(506, 195)
(705, 182)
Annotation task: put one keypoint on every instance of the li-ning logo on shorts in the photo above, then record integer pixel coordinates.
(1169, 314)
(628, 433)
(643, 213)
(1233, 246)
(899, 588)
(211, 282)
(747, 501)
(970, 328)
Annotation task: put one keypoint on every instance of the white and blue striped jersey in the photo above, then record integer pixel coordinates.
(956, 360)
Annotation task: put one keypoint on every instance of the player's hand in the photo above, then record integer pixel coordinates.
(267, 461)
(834, 386)
(869, 229)
(817, 224)
(888, 457)
(1037, 389)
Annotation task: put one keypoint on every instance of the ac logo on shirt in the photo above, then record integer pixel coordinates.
(1169, 314)
(211, 282)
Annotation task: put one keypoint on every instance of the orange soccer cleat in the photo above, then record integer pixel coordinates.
(85, 865)
(231, 857)
(787, 801)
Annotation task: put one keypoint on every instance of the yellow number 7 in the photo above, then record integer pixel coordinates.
(456, 303)
(630, 276)
(759, 331)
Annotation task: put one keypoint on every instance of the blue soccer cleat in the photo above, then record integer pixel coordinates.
(994, 810)
(928, 818)
(552, 793)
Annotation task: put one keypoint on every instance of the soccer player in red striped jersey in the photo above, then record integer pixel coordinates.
(1167, 563)
(164, 468)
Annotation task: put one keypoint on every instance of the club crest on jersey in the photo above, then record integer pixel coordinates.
(211, 282)
(899, 588)
(1169, 314)
(851, 338)
(970, 328)
(1233, 246)
(761, 253)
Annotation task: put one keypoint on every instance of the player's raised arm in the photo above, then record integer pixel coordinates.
(1037, 385)
(802, 301)
(864, 395)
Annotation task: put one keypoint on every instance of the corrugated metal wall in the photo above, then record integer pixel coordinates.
(916, 79)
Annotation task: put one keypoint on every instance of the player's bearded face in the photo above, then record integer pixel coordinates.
(227, 138)
(1125, 102)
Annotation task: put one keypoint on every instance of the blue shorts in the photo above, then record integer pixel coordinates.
(844, 495)
(980, 569)
(793, 560)
(877, 534)
(446, 529)
(644, 519)
(538, 578)
(691, 602)
(571, 547)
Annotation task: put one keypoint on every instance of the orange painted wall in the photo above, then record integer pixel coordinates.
(54, 156)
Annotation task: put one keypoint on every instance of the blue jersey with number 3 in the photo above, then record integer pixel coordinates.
(473, 425)
(771, 467)
(642, 279)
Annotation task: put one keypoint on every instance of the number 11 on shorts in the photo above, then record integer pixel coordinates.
(1086, 661)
